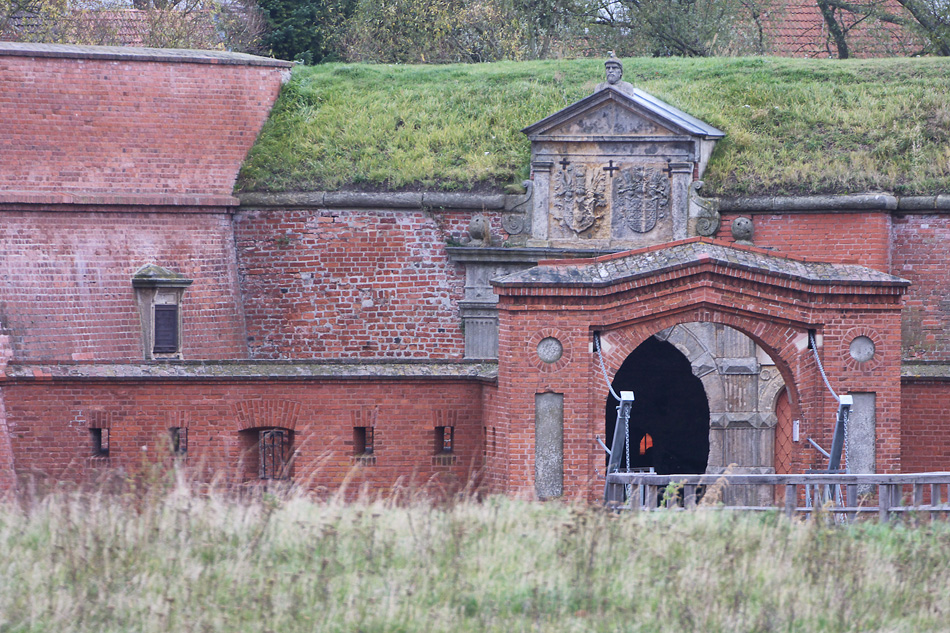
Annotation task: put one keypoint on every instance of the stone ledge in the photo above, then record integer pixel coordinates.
(138, 54)
(396, 200)
(111, 199)
(491, 254)
(922, 370)
(498, 202)
(253, 370)
(655, 262)
(809, 204)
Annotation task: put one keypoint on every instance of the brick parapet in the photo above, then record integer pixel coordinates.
(129, 122)
(137, 54)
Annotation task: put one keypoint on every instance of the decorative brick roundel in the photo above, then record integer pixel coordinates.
(550, 349)
(552, 354)
(862, 349)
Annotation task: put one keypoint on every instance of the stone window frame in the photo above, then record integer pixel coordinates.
(157, 288)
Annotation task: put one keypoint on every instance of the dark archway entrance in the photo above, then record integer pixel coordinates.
(669, 423)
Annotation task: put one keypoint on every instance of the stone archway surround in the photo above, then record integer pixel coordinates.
(774, 300)
(740, 390)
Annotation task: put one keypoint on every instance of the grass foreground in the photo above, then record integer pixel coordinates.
(793, 126)
(174, 561)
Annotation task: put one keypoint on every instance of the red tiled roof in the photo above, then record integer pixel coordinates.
(120, 27)
(795, 28)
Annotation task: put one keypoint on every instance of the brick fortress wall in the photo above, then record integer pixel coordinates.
(50, 422)
(324, 283)
(910, 244)
(129, 121)
(68, 282)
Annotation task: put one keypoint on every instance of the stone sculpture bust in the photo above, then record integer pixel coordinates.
(614, 70)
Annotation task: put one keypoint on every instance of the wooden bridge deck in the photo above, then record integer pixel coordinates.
(838, 494)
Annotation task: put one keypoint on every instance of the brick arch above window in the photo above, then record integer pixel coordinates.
(266, 413)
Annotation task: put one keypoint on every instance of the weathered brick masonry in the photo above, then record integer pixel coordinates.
(337, 312)
(50, 420)
(325, 283)
(129, 121)
(67, 280)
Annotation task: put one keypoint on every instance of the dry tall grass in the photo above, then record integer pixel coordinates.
(170, 560)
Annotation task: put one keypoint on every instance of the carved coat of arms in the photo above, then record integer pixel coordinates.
(641, 196)
(580, 196)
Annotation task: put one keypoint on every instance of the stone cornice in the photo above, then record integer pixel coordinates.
(393, 200)
(244, 370)
(924, 371)
(881, 202)
(82, 201)
(819, 204)
(666, 261)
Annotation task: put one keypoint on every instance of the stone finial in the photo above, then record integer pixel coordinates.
(479, 232)
(742, 230)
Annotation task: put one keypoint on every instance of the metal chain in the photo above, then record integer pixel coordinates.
(627, 440)
(814, 348)
(847, 444)
(603, 368)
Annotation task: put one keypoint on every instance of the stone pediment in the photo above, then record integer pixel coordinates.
(614, 171)
(614, 115)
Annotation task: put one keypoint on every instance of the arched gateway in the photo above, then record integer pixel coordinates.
(618, 172)
(549, 406)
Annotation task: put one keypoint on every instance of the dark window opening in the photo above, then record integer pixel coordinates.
(444, 438)
(100, 442)
(179, 440)
(166, 329)
(363, 440)
(274, 451)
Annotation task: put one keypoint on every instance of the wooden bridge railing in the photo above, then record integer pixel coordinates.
(833, 493)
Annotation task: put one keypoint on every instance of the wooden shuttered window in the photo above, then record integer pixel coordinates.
(166, 329)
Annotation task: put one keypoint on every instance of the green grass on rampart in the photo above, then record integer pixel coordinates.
(172, 561)
(792, 126)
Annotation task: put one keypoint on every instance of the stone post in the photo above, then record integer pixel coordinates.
(682, 174)
(542, 194)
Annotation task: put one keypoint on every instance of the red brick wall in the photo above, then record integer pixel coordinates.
(128, 126)
(925, 427)
(840, 238)
(7, 476)
(349, 283)
(921, 246)
(49, 425)
(67, 280)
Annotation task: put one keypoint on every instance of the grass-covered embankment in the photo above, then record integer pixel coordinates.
(792, 126)
(175, 562)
